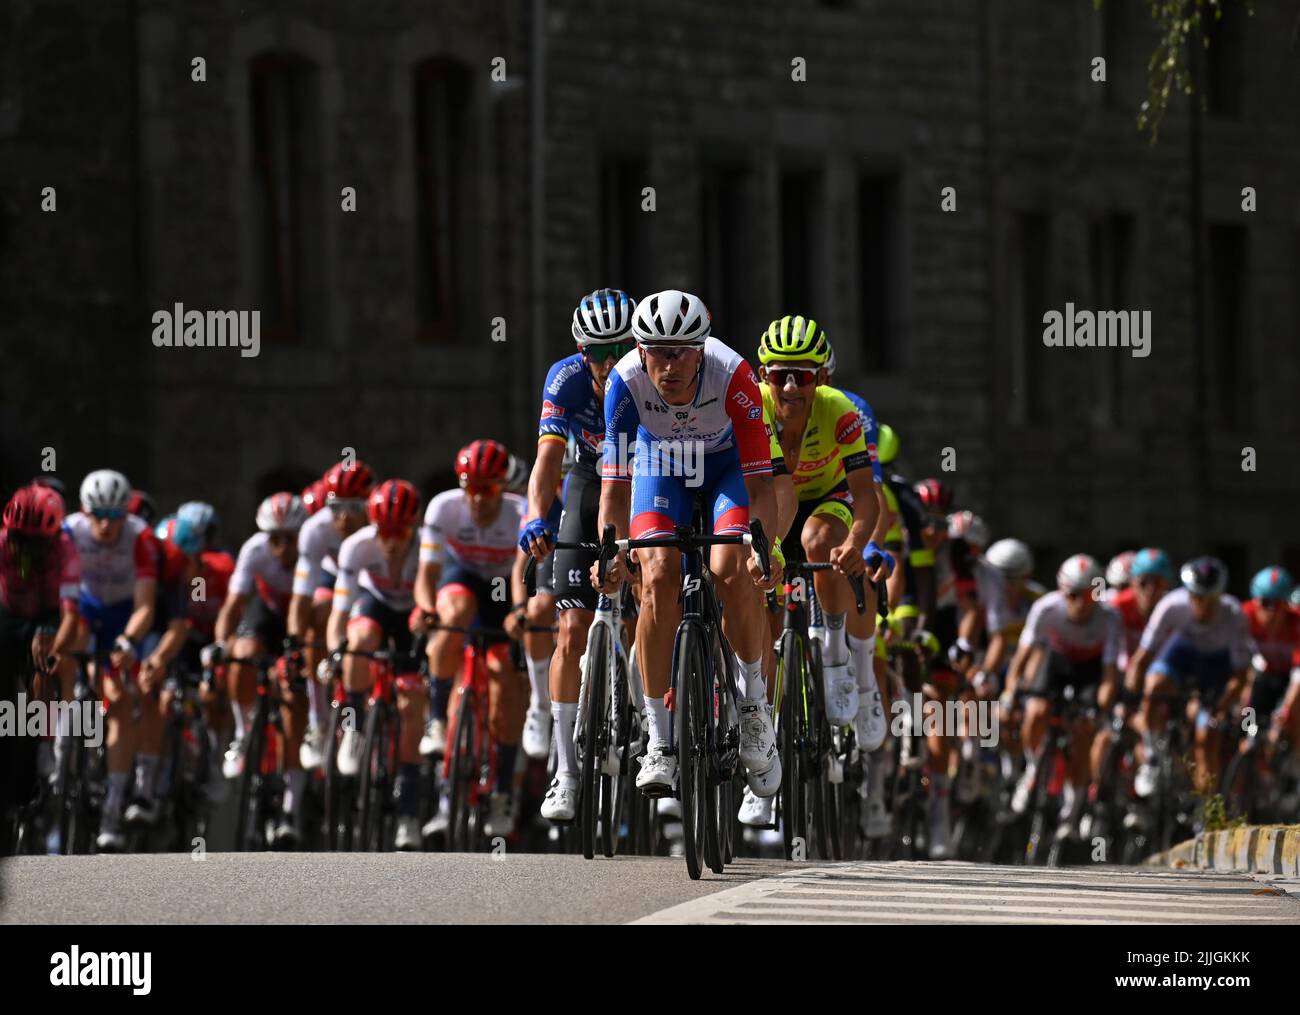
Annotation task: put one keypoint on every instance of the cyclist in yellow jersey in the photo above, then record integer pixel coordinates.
(826, 449)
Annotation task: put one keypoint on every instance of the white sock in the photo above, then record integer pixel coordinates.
(657, 722)
(864, 661)
(752, 685)
(113, 798)
(539, 675)
(293, 785)
(317, 704)
(836, 649)
(565, 717)
(145, 766)
(243, 717)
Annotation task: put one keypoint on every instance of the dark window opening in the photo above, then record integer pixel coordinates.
(1228, 361)
(1225, 59)
(1235, 557)
(1123, 36)
(291, 478)
(1110, 249)
(723, 247)
(1034, 249)
(879, 271)
(447, 239)
(801, 242)
(626, 254)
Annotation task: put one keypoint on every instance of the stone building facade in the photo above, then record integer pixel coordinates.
(797, 153)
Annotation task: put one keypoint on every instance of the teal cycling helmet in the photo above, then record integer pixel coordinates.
(1151, 561)
(181, 533)
(1272, 584)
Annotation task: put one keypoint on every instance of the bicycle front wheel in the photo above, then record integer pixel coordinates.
(791, 737)
(593, 736)
(692, 748)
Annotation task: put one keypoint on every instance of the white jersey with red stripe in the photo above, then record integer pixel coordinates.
(109, 571)
(362, 565)
(318, 547)
(450, 535)
(1050, 626)
(257, 571)
(1227, 629)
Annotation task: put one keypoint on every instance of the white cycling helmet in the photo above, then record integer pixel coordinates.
(1119, 572)
(105, 490)
(1077, 573)
(671, 317)
(603, 317)
(281, 512)
(517, 473)
(1011, 557)
(969, 526)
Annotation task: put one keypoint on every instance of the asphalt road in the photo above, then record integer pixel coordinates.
(547, 889)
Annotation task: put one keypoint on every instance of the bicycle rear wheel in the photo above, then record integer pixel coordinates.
(1239, 786)
(462, 774)
(376, 785)
(247, 817)
(692, 774)
(614, 786)
(791, 736)
(1041, 825)
(340, 801)
(593, 737)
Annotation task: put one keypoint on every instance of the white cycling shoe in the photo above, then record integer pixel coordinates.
(658, 771)
(940, 829)
(561, 803)
(408, 834)
(1144, 783)
(869, 724)
(501, 816)
(434, 740)
(232, 765)
(755, 811)
(350, 748)
(309, 754)
(537, 733)
(841, 694)
(758, 751)
(441, 820)
(876, 822)
(1024, 787)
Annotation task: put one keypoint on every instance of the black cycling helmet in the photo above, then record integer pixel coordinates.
(1204, 576)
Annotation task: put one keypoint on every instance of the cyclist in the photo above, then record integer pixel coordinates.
(1005, 595)
(253, 619)
(1275, 630)
(313, 496)
(374, 600)
(142, 506)
(955, 598)
(40, 578)
(1149, 577)
(119, 573)
(1070, 639)
(911, 587)
(839, 509)
(467, 549)
(347, 486)
(1197, 640)
(572, 409)
(681, 393)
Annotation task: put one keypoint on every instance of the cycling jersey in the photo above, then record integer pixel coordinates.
(318, 547)
(33, 588)
(570, 406)
(449, 534)
(1227, 630)
(1281, 648)
(362, 566)
(1001, 616)
(726, 412)
(258, 571)
(215, 568)
(173, 585)
(1125, 603)
(109, 571)
(835, 442)
(1049, 626)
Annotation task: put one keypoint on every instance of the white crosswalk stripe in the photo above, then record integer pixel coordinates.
(974, 893)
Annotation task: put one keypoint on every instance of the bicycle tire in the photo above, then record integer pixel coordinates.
(376, 779)
(1240, 780)
(692, 779)
(250, 781)
(589, 802)
(460, 772)
(340, 811)
(794, 816)
(613, 787)
(1040, 821)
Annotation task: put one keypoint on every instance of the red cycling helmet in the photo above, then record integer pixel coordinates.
(348, 483)
(313, 496)
(484, 461)
(34, 511)
(393, 507)
(934, 494)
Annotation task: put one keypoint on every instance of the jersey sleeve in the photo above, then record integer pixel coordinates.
(850, 436)
(1031, 634)
(1114, 635)
(69, 569)
(308, 571)
(1159, 626)
(1240, 647)
(345, 585)
(621, 422)
(146, 555)
(745, 410)
(912, 513)
(243, 581)
(556, 410)
(433, 547)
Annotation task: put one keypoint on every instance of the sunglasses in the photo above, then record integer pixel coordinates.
(1075, 594)
(347, 505)
(108, 514)
(802, 376)
(616, 349)
(282, 539)
(1147, 583)
(668, 352)
(481, 489)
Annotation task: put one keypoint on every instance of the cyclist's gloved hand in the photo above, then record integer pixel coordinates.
(124, 645)
(875, 554)
(776, 555)
(328, 668)
(212, 655)
(535, 531)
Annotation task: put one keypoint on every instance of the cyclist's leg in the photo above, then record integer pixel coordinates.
(120, 736)
(826, 528)
(317, 693)
(1213, 671)
(1051, 675)
(457, 606)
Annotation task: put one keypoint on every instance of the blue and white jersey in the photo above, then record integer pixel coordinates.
(870, 430)
(569, 406)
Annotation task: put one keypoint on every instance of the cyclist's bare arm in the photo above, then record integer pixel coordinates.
(545, 478)
(884, 517)
(426, 586)
(142, 617)
(1137, 670)
(336, 630)
(615, 507)
(1109, 685)
(996, 652)
(299, 620)
(787, 503)
(1017, 668)
(232, 611)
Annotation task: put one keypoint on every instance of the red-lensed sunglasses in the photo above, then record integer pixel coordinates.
(481, 488)
(802, 376)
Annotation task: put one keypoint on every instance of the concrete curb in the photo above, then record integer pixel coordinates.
(1254, 849)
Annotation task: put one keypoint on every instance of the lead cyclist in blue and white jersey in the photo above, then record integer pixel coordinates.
(681, 391)
(572, 406)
